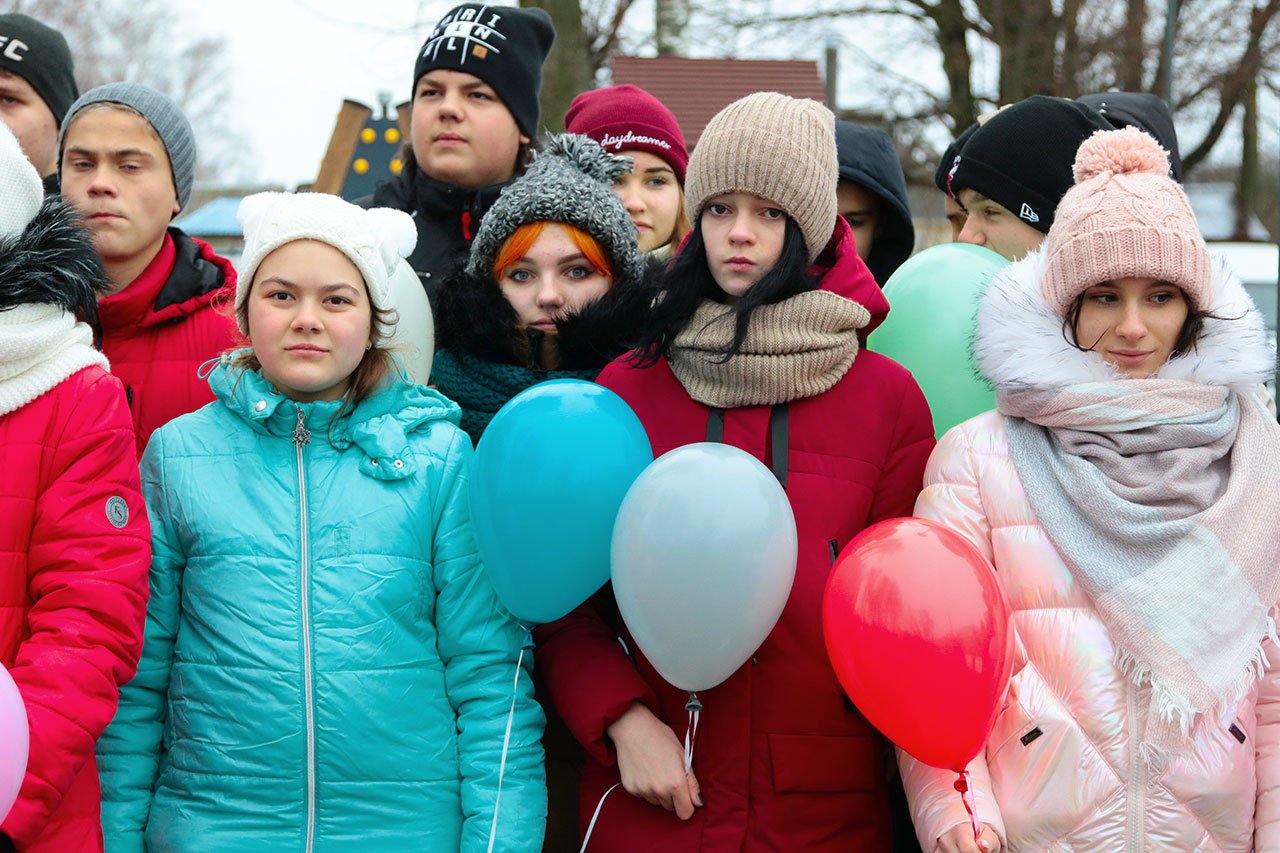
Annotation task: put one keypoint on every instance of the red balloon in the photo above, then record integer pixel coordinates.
(917, 627)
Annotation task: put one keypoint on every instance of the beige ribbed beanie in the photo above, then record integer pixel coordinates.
(775, 147)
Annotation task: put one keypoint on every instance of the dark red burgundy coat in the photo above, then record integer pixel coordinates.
(783, 760)
(159, 330)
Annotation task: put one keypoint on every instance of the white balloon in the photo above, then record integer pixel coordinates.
(415, 334)
(704, 555)
(14, 742)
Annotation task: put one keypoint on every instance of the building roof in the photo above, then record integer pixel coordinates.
(215, 218)
(697, 89)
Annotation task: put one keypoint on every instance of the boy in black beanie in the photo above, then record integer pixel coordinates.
(475, 112)
(37, 85)
(1012, 172)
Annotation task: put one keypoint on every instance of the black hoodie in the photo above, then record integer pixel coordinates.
(1146, 112)
(867, 158)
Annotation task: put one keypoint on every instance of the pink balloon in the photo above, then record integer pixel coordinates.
(14, 742)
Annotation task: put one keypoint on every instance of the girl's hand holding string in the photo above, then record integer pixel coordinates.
(651, 762)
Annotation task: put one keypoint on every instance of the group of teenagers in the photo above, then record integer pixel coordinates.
(239, 591)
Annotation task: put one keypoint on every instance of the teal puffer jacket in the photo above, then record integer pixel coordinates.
(326, 666)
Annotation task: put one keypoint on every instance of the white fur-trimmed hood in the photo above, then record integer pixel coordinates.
(1018, 340)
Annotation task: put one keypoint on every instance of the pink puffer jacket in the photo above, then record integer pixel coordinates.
(1062, 770)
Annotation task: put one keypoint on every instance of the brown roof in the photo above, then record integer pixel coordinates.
(697, 89)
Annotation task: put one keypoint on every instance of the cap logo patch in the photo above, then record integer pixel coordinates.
(117, 511)
(630, 138)
(1028, 214)
(13, 48)
(470, 32)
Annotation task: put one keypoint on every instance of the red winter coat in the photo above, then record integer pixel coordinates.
(73, 594)
(783, 760)
(159, 330)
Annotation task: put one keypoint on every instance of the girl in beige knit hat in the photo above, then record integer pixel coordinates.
(754, 342)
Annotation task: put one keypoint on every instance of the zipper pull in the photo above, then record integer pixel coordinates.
(301, 435)
(466, 225)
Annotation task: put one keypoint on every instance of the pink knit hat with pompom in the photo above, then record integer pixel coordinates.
(1125, 217)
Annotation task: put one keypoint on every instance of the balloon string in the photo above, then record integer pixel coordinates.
(694, 707)
(966, 797)
(506, 742)
(591, 827)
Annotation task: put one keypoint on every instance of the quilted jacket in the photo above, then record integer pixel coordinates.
(1063, 769)
(326, 665)
(74, 551)
(159, 330)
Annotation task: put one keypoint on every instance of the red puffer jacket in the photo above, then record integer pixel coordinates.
(159, 330)
(73, 594)
(783, 760)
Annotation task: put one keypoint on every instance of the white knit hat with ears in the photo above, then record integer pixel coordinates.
(375, 240)
(21, 191)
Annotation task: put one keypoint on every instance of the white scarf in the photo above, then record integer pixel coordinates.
(40, 345)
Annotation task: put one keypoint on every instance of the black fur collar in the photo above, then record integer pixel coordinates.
(472, 316)
(52, 262)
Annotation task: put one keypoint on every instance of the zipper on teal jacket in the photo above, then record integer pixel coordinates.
(301, 438)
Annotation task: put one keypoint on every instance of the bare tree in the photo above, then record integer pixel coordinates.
(144, 41)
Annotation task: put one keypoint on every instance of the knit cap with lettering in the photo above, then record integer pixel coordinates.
(1021, 159)
(1125, 217)
(504, 46)
(571, 181)
(39, 54)
(627, 118)
(778, 148)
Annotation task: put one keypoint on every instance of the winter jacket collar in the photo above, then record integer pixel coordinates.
(184, 276)
(842, 272)
(421, 195)
(379, 425)
(1019, 341)
(867, 158)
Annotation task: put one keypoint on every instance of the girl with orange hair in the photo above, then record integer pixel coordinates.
(554, 287)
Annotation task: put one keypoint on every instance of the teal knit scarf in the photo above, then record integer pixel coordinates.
(482, 387)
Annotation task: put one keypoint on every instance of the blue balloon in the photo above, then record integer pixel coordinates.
(546, 482)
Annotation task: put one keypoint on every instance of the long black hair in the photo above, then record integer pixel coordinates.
(688, 281)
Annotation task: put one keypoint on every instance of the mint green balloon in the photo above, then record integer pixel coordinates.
(932, 301)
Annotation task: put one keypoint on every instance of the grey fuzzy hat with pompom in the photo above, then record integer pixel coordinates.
(570, 181)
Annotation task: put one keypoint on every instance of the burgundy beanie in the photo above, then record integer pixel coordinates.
(1124, 217)
(627, 118)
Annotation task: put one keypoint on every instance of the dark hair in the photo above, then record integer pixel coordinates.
(688, 281)
(1188, 335)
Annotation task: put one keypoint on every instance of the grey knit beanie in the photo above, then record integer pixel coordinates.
(571, 181)
(162, 114)
(779, 148)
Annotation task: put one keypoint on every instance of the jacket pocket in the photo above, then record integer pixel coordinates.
(825, 764)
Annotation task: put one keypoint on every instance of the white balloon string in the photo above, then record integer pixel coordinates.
(694, 707)
(506, 742)
(591, 827)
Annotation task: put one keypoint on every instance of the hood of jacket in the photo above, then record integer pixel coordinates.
(1145, 111)
(197, 275)
(52, 262)
(841, 271)
(379, 425)
(1019, 341)
(867, 157)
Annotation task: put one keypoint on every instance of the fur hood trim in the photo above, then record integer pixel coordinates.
(1019, 341)
(52, 262)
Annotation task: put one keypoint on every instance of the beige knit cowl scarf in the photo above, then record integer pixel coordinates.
(794, 349)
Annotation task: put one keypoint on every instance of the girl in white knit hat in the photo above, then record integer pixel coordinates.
(1115, 489)
(754, 342)
(326, 665)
